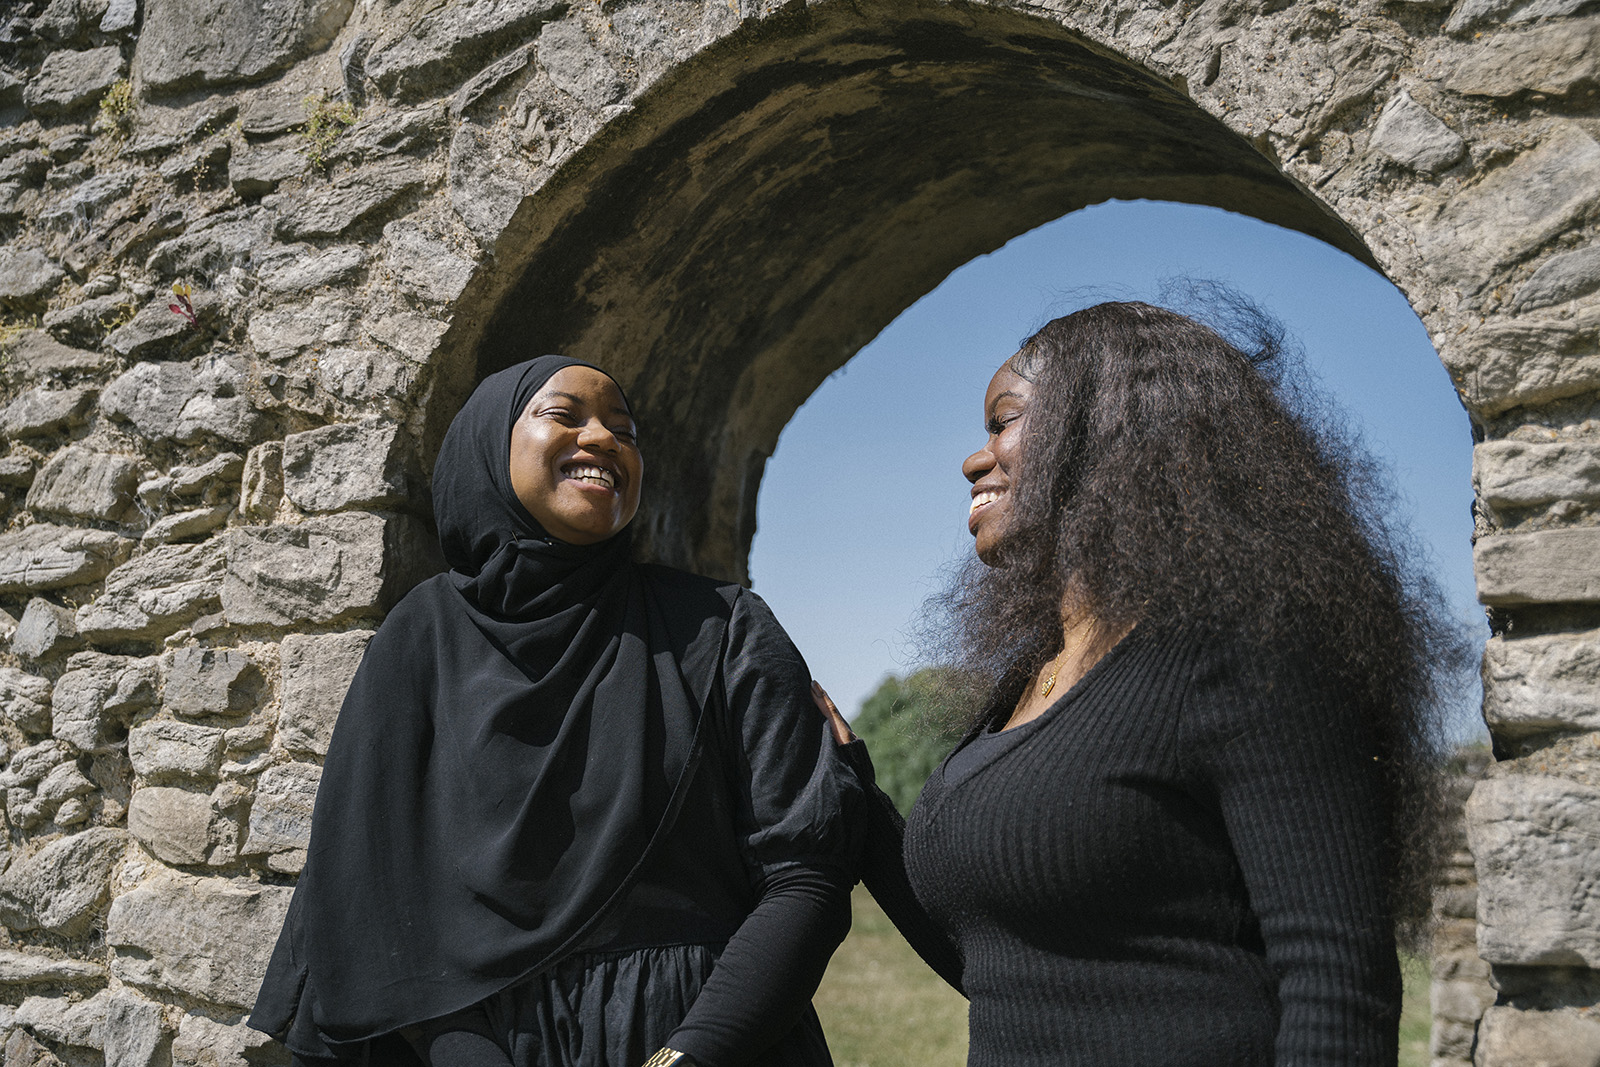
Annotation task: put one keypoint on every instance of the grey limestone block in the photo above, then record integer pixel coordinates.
(346, 465)
(23, 1050)
(1552, 566)
(424, 266)
(60, 21)
(1560, 278)
(68, 81)
(22, 968)
(485, 187)
(156, 594)
(29, 766)
(173, 824)
(46, 556)
(577, 67)
(1542, 683)
(267, 114)
(120, 16)
(261, 486)
(260, 170)
(186, 44)
(411, 334)
(84, 323)
(306, 270)
(63, 886)
(185, 525)
(330, 210)
(26, 168)
(25, 700)
(206, 1042)
(391, 131)
(162, 749)
(1512, 1037)
(1460, 999)
(209, 681)
(45, 631)
(489, 79)
(439, 48)
(1522, 474)
(185, 401)
(17, 471)
(366, 377)
(325, 569)
(1513, 210)
(1536, 841)
(34, 353)
(1552, 58)
(27, 277)
(152, 397)
(212, 246)
(1471, 13)
(280, 818)
(95, 696)
(280, 333)
(316, 674)
(1529, 360)
(83, 484)
(64, 781)
(208, 161)
(154, 330)
(90, 199)
(129, 1030)
(201, 937)
(64, 1020)
(44, 410)
(208, 479)
(136, 1033)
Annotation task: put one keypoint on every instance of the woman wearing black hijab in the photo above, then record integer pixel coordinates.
(577, 810)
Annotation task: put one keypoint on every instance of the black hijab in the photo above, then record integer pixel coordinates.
(516, 737)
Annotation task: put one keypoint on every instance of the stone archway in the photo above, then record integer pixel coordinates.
(722, 199)
(764, 210)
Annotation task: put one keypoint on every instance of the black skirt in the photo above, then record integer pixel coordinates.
(607, 1009)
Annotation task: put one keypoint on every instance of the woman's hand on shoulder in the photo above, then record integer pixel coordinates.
(830, 711)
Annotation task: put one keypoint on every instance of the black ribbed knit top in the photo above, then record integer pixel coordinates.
(1178, 864)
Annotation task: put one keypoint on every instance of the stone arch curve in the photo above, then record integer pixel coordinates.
(763, 210)
(205, 513)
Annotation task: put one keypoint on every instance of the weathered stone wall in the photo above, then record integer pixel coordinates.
(1460, 989)
(202, 516)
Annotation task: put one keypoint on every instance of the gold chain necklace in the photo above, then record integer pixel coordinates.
(1050, 682)
(1066, 652)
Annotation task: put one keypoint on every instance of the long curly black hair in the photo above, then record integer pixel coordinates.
(1166, 465)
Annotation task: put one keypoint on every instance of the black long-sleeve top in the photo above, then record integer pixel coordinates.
(1179, 864)
(722, 939)
(759, 861)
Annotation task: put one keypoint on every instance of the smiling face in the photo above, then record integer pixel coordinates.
(992, 468)
(575, 461)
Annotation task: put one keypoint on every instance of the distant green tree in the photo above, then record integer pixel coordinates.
(903, 726)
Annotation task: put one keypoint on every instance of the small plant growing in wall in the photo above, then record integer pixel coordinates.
(182, 291)
(326, 121)
(116, 110)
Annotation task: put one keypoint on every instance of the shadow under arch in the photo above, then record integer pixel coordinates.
(768, 206)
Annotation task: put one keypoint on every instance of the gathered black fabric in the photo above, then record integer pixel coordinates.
(1178, 864)
(508, 751)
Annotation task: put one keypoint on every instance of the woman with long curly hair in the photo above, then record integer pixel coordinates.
(1194, 802)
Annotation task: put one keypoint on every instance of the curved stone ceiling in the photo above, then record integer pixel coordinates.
(768, 207)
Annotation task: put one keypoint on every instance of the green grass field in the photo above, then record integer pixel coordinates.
(882, 1007)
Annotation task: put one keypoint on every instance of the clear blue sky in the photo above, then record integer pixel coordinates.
(863, 503)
